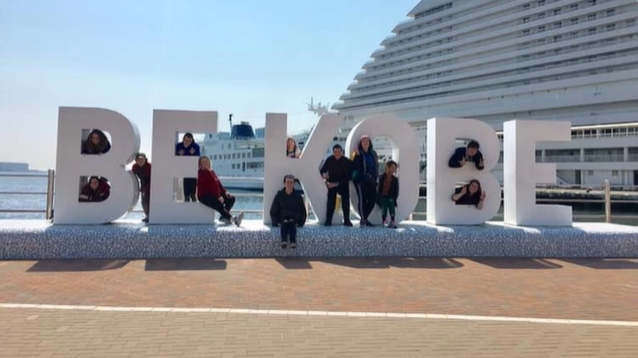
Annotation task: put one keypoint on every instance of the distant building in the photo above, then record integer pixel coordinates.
(14, 167)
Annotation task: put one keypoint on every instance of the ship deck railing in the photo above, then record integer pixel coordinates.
(603, 194)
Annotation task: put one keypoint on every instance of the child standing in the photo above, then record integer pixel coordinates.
(388, 193)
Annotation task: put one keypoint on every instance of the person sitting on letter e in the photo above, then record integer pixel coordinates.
(212, 193)
(470, 154)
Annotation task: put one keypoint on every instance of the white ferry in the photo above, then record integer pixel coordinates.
(497, 60)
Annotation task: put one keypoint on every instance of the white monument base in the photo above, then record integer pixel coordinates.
(35, 240)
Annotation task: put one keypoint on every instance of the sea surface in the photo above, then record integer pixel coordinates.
(35, 184)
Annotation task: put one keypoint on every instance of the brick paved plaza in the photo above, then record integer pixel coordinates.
(319, 294)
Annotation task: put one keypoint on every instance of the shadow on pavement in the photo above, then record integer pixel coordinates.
(295, 263)
(185, 264)
(517, 263)
(77, 265)
(605, 264)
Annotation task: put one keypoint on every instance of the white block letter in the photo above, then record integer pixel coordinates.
(306, 168)
(441, 179)
(71, 165)
(404, 152)
(521, 173)
(167, 166)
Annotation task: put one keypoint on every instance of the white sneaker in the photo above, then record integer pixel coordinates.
(224, 220)
(239, 218)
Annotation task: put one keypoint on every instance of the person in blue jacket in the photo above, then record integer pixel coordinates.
(188, 147)
(365, 176)
(469, 154)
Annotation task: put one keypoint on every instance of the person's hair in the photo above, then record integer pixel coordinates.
(189, 136)
(337, 146)
(94, 177)
(370, 147)
(140, 155)
(478, 191)
(473, 144)
(199, 161)
(288, 176)
(390, 163)
(91, 148)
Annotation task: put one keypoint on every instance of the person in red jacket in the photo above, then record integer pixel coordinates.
(212, 193)
(142, 169)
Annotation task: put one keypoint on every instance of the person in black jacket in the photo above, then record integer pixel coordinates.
(288, 211)
(336, 171)
(465, 155)
(388, 193)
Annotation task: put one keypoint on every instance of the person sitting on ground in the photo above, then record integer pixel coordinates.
(96, 190)
(288, 211)
(388, 193)
(470, 194)
(292, 150)
(337, 171)
(96, 143)
(470, 154)
(142, 169)
(212, 193)
(188, 147)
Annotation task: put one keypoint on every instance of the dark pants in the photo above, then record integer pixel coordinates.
(289, 231)
(367, 194)
(190, 187)
(223, 209)
(344, 191)
(146, 198)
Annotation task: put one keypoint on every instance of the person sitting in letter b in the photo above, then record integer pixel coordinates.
(470, 194)
(470, 154)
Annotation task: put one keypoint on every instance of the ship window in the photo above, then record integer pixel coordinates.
(574, 21)
(233, 156)
(558, 25)
(592, 16)
(610, 12)
(243, 155)
(611, 27)
(557, 11)
(614, 173)
(214, 156)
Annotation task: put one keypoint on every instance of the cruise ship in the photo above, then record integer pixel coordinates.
(238, 155)
(497, 60)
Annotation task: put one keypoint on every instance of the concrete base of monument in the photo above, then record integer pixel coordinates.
(35, 240)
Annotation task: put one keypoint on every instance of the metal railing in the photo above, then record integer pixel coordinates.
(605, 190)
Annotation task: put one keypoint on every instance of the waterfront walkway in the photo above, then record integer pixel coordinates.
(290, 307)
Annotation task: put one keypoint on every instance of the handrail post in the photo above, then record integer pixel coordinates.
(607, 201)
(50, 186)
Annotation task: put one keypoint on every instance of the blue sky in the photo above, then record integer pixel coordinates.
(241, 57)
